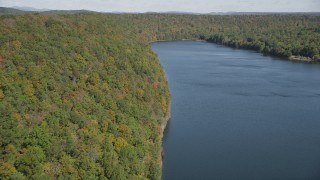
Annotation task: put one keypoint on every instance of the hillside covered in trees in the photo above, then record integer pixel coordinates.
(277, 35)
(80, 98)
(83, 96)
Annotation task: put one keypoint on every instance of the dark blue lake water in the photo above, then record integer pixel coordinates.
(237, 114)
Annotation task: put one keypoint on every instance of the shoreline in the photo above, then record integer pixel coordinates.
(292, 58)
(196, 40)
(164, 122)
(302, 59)
(166, 118)
(163, 126)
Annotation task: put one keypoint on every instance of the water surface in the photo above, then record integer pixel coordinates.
(237, 114)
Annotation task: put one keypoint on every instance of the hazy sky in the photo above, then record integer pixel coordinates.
(202, 6)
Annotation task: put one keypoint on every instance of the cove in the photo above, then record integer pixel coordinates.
(236, 114)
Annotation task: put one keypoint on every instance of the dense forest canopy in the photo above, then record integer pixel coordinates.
(80, 98)
(277, 35)
(83, 96)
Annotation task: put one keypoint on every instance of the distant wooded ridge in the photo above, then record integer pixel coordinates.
(17, 9)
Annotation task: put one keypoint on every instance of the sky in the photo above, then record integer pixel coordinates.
(199, 6)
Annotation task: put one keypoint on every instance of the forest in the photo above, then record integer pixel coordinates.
(286, 36)
(83, 96)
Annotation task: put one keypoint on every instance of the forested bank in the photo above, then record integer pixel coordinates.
(277, 35)
(83, 95)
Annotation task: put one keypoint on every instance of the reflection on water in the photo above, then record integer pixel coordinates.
(237, 114)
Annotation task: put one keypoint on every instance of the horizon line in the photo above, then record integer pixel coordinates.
(128, 12)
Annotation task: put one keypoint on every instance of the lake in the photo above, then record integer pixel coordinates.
(237, 114)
